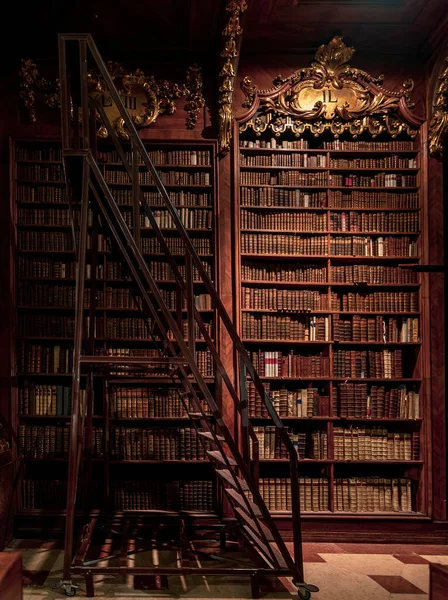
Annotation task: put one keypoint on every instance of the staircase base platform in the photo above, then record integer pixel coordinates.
(147, 545)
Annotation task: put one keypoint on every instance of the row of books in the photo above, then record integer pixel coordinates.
(379, 180)
(178, 198)
(313, 494)
(384, 364)
(192, 218)
(162, 157)
(162, 495)
(273, 142)
(268, 243)
(38, 358)
(126, 494)
(146, 402)
(376, 443)
(45, 294)
(47, 241)
(167, 177)
(290, 178)
(278, 299)
(303, 403)
(305, 160)
(280, 364)
(284, 221)
(204, 359)
(160, 270)
(40, 193)
(373, 495)
(52, 400)
(375, 222)
(151, 245)
(140, 328)
(52, 441)
(375, 329)
(362, 400)
(58, 359)
(283, 272)
(400, 145)
(280, 197)
(309, 273)
(43, 216)
(375, 301)
(369, 162)
(372, 274)
(170, 443)
(40, 172)
(269, 327)
(51, 153)
(367, 246)
(272, 447)
(47, 325)
(383, 200)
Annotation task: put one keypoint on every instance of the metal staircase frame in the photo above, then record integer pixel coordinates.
(238, 473)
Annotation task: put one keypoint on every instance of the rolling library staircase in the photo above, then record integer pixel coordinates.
(235, 460)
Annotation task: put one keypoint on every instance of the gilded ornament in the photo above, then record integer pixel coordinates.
(438, 125)
(144, 97)
(332, 95)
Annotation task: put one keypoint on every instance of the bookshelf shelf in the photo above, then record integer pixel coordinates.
(365, 210)
(44, 247)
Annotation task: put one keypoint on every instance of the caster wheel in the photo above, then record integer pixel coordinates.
(70, 591)
(304, 594)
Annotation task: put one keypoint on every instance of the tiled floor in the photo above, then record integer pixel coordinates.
(342, 571)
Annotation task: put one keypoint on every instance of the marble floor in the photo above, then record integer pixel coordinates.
(342, 571)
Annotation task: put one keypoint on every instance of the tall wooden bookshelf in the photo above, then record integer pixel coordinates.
(137, 423)
(330, 221)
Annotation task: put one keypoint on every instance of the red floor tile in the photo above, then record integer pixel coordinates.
(411, 559)
(395, 584)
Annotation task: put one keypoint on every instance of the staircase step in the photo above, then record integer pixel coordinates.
(218, 456)
(264, 549)
(209, 436)
(251, 523)
(240, 500)
(198, 415)
(229, 478)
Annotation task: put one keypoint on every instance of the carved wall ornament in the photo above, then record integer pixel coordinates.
(330, 95)
(31, 83)
(145, 97)
(438, 126)
(229, 56)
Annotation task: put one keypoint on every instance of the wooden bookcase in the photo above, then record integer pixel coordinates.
(319, 250)
(44, 287)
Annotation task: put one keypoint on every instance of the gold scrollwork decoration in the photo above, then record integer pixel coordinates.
(144, 97)
(31, 82)
(438, 126)
(331, 95)
(229, 56)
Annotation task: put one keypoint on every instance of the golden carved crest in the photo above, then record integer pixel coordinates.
(330, 95)
(438, 126)
(144, 97)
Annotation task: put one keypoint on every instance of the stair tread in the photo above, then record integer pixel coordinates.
(238, 498)
(209, 436)
(265, 549)
(227, 476)
(219, 456)
(251, 523)
(198, 415)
